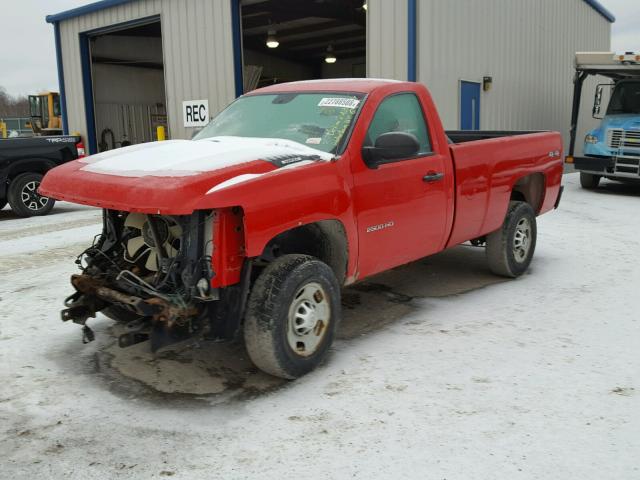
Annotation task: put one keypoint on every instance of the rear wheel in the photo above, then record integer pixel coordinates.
(24, 198)
(589, 180)
(510, 249)
(293, 312)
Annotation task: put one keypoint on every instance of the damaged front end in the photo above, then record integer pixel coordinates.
(155, 275)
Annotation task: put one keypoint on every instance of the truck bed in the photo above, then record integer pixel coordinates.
(34, 154)
(59, 148)
(486, 164)
(462, 136)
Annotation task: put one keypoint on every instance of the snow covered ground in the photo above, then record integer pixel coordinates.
(441, 370)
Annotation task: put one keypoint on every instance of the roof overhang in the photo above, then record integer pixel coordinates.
(84, 10)
(598, 7)
(103, 4)
(616, 73)
(608, 64)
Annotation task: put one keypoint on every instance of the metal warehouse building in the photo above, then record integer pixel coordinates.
(127, 66)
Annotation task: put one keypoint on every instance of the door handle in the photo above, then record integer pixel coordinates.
(433, 177)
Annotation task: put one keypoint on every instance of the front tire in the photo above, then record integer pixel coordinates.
(510, 249)
(24, 198)
(292, 316)
(589, 181)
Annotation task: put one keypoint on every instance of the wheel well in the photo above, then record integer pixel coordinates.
(326, 240)
(530, 189)
(30, 166)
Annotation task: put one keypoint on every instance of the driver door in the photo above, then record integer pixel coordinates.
(401, 205)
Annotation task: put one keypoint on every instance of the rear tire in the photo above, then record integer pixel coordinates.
(510, 249)
(589, 181)
(292, 316)
(24, 198)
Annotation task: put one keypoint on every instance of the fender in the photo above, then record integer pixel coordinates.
(37, 165)
(33, 164)
(283, 199)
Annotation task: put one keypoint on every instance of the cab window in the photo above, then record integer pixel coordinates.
(400, 113)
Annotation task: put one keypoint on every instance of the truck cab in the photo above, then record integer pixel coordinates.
(618, 135)
(612, 149)
(45, 113)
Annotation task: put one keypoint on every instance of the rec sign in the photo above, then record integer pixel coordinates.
(195, 113)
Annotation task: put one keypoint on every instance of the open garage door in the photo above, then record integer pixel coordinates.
(127, 77)
(289, 40)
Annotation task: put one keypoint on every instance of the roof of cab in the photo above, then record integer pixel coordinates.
(357, 85)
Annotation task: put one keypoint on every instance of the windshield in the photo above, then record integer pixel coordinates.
(56, 104)
(625, 99)
(35, 106)
(318, 120)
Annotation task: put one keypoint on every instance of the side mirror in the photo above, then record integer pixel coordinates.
(391, 146)
(597, 102)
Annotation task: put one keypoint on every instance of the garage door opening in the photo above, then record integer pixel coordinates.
(128, 87)
(289, 40)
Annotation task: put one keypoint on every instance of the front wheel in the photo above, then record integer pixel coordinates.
(24, 198)
(293, 312)
(589, 180)
(510, 249)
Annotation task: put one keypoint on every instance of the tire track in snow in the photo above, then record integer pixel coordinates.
(54, 227)
(46, 256)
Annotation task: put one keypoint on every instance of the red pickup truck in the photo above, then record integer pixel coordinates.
(292, 192)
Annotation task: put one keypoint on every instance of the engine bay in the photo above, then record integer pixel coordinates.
(150, 272)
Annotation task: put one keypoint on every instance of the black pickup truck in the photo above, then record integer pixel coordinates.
(23, 163)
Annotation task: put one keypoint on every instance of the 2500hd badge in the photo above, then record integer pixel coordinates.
(382, 226)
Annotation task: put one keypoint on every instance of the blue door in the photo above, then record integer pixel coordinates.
(469, 105)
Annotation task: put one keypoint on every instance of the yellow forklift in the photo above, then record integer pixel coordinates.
(45, 113)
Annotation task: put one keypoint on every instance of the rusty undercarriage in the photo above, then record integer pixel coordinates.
(153, 274)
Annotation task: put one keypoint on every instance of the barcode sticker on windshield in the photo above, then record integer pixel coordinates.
(339, 102)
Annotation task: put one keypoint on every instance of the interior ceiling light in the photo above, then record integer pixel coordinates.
(330, 57)
(364, 5)
(272, 41)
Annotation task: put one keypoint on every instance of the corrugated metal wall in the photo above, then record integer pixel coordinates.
(387, 22)
(527, 46)
(197, 47)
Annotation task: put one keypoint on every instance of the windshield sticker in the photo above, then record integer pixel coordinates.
(314, 140)
(339, 102)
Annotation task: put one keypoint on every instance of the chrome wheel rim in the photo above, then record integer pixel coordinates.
(309, 317)
(30, 197)
(522, 240)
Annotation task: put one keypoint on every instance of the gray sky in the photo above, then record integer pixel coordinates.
(28, 59)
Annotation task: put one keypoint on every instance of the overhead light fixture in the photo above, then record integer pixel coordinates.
(272, 41)
(364, 5)
(330, 57)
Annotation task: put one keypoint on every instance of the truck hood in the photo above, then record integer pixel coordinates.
(171, 177)
(625, 122)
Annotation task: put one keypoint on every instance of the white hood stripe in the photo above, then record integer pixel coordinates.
(178, 158)
(250, 176)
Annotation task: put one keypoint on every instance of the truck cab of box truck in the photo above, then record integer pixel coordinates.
(612, 149)
(618, 135)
